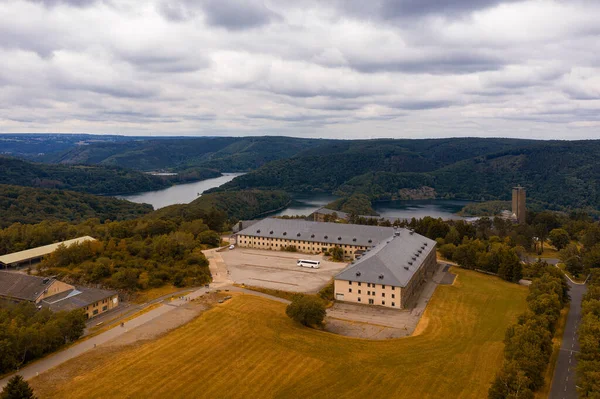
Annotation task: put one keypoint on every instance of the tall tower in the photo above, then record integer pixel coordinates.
(518, 204)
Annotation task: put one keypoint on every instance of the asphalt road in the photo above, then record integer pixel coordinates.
(564, 381)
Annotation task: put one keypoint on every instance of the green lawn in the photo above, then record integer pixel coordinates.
(248, 348)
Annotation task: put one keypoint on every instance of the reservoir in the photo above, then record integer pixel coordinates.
(302, 203)
(307, 203)
(179, 194)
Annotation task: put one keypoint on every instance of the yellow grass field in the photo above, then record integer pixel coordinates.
(248, 348)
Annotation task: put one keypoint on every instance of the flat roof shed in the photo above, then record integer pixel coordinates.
(28, 255)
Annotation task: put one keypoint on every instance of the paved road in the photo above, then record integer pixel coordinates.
(563, 383)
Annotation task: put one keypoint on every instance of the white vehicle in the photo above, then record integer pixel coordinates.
(313, 264)
(232, 246)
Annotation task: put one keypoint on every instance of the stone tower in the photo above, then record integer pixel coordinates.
(518, 204)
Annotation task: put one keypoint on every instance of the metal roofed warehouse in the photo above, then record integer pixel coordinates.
(35, 254)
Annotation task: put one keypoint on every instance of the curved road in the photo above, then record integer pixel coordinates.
(564, 381)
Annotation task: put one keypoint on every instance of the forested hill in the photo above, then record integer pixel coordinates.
(35, 205)
(84, 178)
(557, 173)
(227, 154)
(236, 205)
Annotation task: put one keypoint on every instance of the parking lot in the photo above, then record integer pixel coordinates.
(278, 269)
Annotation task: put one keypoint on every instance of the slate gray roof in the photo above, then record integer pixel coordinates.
(22, 286)
(76, 299)
(386, 263)
(332, 233)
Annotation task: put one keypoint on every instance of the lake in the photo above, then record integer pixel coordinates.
(302, 203)
(179, 194)
(307, 203)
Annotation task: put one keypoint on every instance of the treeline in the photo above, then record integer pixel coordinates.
(236, 205)
(391, 169)
(34, 205)
(136, 254)
(579, 259)
(27, 333)
(356, 204)
(588, 367)
(528, 343)
(82, 178)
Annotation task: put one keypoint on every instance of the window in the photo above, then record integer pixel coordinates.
(373, 293)
(349, 289)
(383, 302)
(393, 304)
(393, 296)
(104, 308)
(371, 302)
(383, 294)
(359, 298)
(359, 291)
(393, 288)
(368, 284)
(359, 283)
(95, 312)
(383, 286)
(349, 282)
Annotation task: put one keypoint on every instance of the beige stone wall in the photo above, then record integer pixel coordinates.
(368, 294)
(387, 296)
(309, 247)
(55, 288)
(102, 306)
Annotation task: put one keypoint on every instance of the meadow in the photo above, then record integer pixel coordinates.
(248, 348)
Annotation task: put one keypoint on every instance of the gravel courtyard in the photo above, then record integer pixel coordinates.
(278, 269)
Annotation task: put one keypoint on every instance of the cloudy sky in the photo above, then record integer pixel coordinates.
(335, 68)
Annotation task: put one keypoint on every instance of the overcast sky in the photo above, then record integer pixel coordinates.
(335, 68)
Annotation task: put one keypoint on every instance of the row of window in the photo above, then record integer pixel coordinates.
(261, 240)
(372, 293)
(373, 285)
(372, 302)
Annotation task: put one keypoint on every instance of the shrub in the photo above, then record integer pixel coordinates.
(17, 388)
(306, 310)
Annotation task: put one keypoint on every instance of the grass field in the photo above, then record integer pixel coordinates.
(248, 348)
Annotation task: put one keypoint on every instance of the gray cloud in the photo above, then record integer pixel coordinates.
(230, 14)
(346, 68)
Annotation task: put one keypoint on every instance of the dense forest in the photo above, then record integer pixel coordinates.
(83, 178)
(453, 168)
(237, 205)
(27, 333)
(35, 205)
(356, 204)
(227, 154)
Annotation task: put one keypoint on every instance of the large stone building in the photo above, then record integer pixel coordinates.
(389, 265)
(55, 294)
(391, 274)
(519, 209)
(311, 237)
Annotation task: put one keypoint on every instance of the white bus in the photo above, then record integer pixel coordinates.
(313, 264)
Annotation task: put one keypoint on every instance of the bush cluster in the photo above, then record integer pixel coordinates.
(528, 343)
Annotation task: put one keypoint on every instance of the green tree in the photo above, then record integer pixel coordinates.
(559, 238)
(306, 310)
(337, 254)
(510, 383)
(17, 388)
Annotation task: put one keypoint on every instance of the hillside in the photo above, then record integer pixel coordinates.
(329, 166)
(433, 168)
(34, 205)
(227, 154)
(244, 204)
(84, 178)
